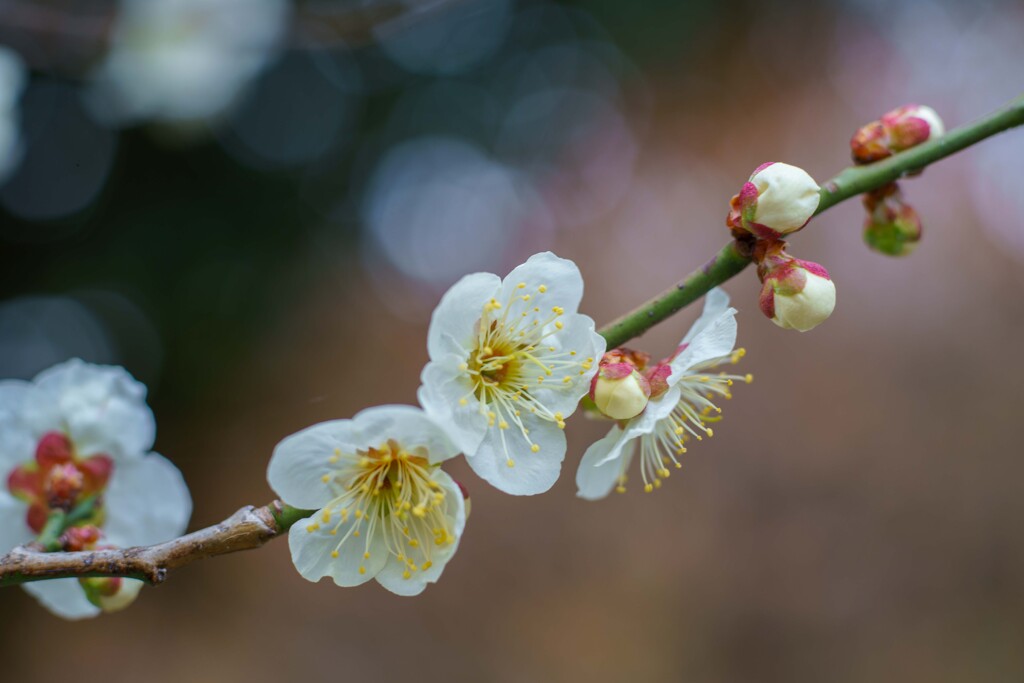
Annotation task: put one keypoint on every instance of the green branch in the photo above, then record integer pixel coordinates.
(734, 257)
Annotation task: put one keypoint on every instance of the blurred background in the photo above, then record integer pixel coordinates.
(254, 205)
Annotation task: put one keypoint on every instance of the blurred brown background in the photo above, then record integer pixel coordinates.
(856, 516)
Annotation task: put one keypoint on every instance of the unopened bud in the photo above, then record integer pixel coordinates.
(80, 538)
(619, 389)
(892, 226)
(911, 125)
(111, 594)
(778, 199)
(899, 129)
(796, 294)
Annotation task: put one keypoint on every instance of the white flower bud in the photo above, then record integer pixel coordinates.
(806, 309)
(623, 397)
(787, 197)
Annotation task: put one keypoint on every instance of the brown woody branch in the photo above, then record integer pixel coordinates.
(247, 529)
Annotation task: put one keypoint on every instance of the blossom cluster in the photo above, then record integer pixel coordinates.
(75, 448)
(511, 359)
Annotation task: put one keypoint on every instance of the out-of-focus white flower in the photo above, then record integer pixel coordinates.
(778, 199)
(82, 432)
(12, 82)
(384, 509)
(182, 61)
(509, 362)
(681, 405)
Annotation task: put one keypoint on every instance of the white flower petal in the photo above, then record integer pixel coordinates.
(392, 575)
(17, 442)
(715, 340)
(657, 409)
(454, 320)
(14, 529)
(559, 277)
(300, 461)
(533, 472)
(716, 303)
(443, 385)
(598, 472)
(407, 425)
(146, 502)
(312, 543)
(63, 597)
(578, 335)
(102, 408)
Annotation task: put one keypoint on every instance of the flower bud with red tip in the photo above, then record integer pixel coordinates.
(910, 125)
(777, 200)
(899, 129)
(796, 294)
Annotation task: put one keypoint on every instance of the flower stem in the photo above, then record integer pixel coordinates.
(855, 180)
(49, 537)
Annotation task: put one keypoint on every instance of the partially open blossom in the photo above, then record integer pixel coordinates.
(384, 509)
(682, 406)
(509, 362)
(619, 389)
(892, 226)
(897, 130)
(795, 294)
(77, 439)
(778, 199)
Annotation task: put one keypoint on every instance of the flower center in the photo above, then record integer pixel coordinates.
(515, 354)
(387, 496)
(57, 478)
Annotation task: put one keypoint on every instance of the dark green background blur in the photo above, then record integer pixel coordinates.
(857, 516)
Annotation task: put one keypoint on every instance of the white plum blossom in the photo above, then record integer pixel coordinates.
(682, 402)
(78, 433)
(384, 509)
(509, 362)
(12, 81)
(185, 60)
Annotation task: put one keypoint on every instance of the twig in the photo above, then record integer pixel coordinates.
(251, 527)
(248, 528)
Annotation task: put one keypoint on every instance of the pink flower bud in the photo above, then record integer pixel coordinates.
(911, 125)
(899, 129)
(892, 226)
(796, 294)
(778, 199)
